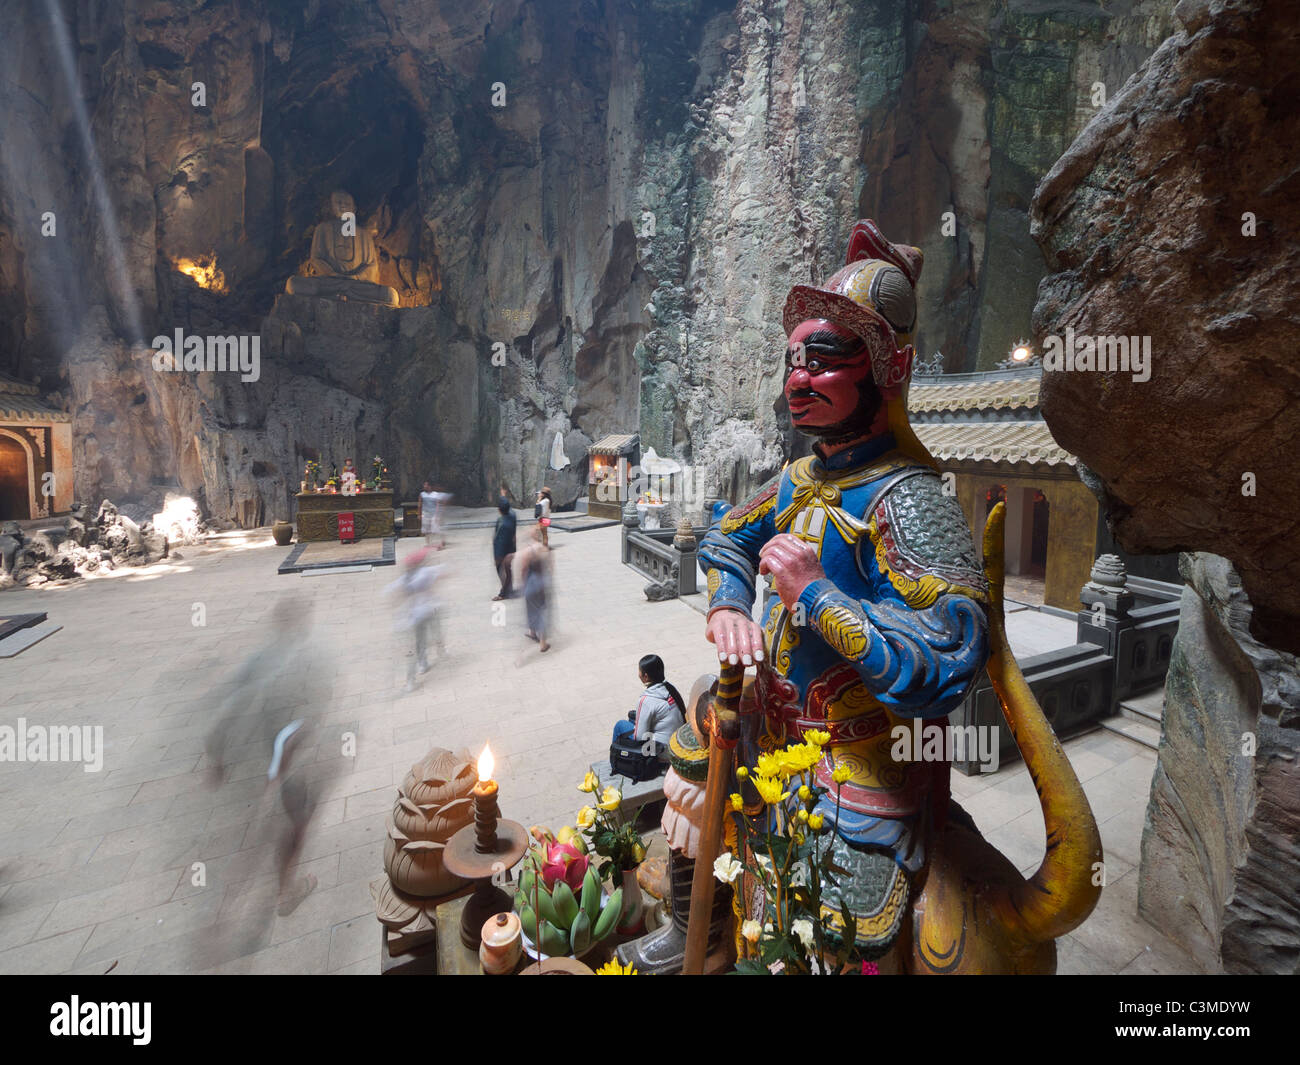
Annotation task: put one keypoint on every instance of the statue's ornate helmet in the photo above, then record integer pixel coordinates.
(874, 295)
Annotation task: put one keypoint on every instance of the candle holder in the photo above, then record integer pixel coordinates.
(478, 852)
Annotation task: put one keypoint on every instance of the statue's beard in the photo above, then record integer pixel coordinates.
(857, 425)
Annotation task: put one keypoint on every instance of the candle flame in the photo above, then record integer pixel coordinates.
(486, 763)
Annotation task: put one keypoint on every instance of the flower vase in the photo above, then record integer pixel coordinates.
(632, 923)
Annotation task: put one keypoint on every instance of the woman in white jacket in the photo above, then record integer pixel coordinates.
(658, 712)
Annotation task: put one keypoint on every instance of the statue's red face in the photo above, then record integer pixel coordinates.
(828, 370)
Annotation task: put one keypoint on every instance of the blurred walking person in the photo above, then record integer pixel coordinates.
(432, 502)
(535, 575)
(266, 712)
(417, 610)
(503, 548)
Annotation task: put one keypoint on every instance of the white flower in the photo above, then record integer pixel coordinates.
(726, 868)
(803, 928)
(751, 930)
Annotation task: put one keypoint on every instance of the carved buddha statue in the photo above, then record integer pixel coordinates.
(343, 263)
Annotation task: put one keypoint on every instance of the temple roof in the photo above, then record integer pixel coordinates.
(978, 391)
(1009, 442)
(615, 444)
(984, 417)
(20, 401)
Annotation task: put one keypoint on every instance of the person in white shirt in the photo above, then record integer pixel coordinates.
(431, 504)
(544, 514)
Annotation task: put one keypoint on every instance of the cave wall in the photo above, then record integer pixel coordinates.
(1174, 215)
(626, 224)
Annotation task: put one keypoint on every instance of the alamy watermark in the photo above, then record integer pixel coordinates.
(196, 354)
(53, 743)
(1107, 354)
(946, 743)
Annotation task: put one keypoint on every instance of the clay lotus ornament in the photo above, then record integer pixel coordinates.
(433, 804)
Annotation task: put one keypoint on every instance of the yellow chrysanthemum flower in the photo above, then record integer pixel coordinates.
(841, 773)
(799, 757)
(803, 816)
(586, 817)
(817, 736)
(613, 968)
(737, 801)
(742, 772)
(772, 765)
(610, 798)
(815, 822)
(590, 782)
(804, 793)
(769, 790)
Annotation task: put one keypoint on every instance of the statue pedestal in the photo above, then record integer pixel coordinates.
(345, 289)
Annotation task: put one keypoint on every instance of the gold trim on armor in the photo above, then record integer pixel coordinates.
(844, 630)
(919, 593)
(876, 924)
(828, 492)
(731, 524)
(782, 639)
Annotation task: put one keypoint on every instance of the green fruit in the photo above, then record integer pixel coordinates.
(546, 907)
(609, 916)
(591, 894)
(526, 881)
(580, 933)
(520, 901)
(565, 904)
(554, 941)
(528, 921)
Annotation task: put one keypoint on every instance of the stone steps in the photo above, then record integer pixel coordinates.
(1139, 731)
(1148, 707)
(19, 641)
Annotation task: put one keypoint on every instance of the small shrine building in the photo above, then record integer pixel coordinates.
(986, 429)
(35, 454)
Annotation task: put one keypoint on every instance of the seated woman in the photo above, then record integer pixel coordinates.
(657, 716)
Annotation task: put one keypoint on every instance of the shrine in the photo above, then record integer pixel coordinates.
(648, 488)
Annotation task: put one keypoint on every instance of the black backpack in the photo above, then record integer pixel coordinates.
(628, 757)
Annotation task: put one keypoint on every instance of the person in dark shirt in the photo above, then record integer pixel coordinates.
(503, 548)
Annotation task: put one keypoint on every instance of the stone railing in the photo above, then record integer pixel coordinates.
(1125, 633)
(667, 557)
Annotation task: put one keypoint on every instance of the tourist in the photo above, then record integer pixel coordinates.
(543, 513)
(503, 548)
(535, 575)
(658, 713)
(432, 501)
(253, 715)
(418, 610)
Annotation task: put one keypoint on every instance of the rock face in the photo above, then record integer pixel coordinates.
(1174, 216)
(590, 213)
(1218, 851)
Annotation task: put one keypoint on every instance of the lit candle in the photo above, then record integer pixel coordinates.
(486, 810)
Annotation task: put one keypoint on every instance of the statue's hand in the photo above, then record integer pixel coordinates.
(736, 637)
(793, 565)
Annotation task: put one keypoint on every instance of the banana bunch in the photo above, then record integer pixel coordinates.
(559, 901)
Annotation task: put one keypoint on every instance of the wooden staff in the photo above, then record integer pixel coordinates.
(724, 732)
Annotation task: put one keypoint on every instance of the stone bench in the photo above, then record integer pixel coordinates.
(635, 796)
